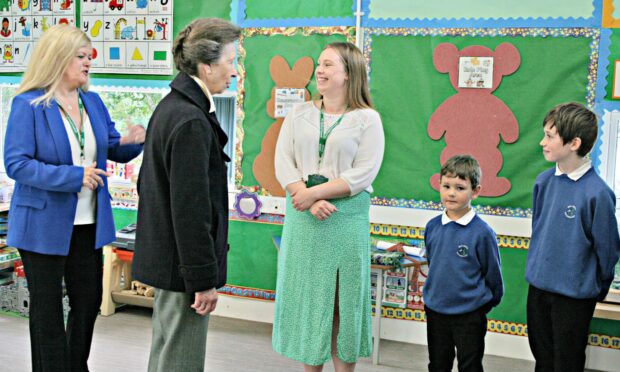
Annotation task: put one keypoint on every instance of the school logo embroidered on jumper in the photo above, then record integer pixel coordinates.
(462, 251)
(571, 211)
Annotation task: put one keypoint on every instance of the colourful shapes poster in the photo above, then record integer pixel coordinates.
(130, 36)
(21, 24)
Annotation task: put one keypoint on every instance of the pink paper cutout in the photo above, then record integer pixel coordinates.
(472, 120)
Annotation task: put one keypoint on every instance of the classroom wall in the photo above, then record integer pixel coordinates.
(566, 50)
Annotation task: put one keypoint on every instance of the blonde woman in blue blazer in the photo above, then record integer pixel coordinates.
(58, 139)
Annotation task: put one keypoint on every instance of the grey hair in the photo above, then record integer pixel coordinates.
(202, 41)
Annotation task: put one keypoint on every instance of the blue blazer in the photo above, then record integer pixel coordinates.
(37, 155)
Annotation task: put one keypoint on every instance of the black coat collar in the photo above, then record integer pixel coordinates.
(188, 88)
(185, 85)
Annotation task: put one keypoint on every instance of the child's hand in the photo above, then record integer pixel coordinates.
(322, 210)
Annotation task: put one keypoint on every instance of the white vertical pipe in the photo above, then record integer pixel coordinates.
(358, 25)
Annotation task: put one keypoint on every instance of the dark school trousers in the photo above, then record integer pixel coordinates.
(53, 347)
(463, 332)
(557, 330)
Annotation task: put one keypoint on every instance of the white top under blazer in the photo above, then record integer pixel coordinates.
(86, 205)
(353, 151)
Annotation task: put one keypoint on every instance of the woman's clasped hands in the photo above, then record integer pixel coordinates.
(304, 199)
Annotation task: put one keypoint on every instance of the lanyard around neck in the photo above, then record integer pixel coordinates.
(323, 135)
(79, 135)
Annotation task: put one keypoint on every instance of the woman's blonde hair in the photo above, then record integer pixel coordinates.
(52, 54)
(358, 94)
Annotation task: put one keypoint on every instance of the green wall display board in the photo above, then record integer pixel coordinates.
(124, 217)
(186, 11)
(260, 49)
(553, 70)
(512, 307)
(252, 258)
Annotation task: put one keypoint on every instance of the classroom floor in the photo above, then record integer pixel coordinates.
(122, 341)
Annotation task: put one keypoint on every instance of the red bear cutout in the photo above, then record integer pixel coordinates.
(474, 119)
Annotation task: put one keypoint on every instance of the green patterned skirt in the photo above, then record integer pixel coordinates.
(312, 255)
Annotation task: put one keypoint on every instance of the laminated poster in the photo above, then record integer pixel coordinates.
(22, 24)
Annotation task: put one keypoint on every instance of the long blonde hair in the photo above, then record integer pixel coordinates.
(52, 54)
(358, 94)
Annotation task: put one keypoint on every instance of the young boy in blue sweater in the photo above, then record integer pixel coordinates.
(464, 278)
(574, 245)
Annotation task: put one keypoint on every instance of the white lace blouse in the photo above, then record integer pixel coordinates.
(353, 151)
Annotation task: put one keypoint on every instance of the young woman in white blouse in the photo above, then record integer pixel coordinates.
(328, 153)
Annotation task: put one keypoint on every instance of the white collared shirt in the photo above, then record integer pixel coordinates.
(204, 88)
(464, 221)
(577, 173)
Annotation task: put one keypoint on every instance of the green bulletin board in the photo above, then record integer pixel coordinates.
(407, 89)
(258, 84)
(252, 259)
(187, 11)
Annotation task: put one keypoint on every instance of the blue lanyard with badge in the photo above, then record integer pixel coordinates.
(79, 135)
(317, 179)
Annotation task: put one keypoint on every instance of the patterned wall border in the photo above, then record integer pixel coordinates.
(273, 219)
(394, 231)
(349, 32)
(496, 326)
(504, 241)
(436, 206)
(247, 292)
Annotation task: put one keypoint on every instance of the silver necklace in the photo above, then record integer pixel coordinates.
(68, 106)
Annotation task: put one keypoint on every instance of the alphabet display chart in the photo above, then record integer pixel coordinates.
(129, 36)
(23, 22)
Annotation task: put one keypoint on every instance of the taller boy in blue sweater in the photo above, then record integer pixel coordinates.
(574, 245)
(464, 279)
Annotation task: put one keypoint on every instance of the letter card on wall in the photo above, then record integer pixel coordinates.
(129, 36)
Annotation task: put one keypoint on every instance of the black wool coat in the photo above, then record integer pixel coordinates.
(181, 238)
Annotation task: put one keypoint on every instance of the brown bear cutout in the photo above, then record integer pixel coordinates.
(284, 77)
(472, 120)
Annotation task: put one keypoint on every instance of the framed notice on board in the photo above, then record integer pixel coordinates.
(129, 36)
(616, 90)
(22, 22)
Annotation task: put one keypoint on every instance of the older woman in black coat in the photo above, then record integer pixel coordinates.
(181, 239)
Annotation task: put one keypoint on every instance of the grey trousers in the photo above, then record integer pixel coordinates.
(179, 334)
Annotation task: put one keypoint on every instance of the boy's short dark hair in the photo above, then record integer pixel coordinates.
(573, 120)
(464, 167)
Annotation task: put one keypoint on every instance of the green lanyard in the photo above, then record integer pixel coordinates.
(323, 136)
(79, 135)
